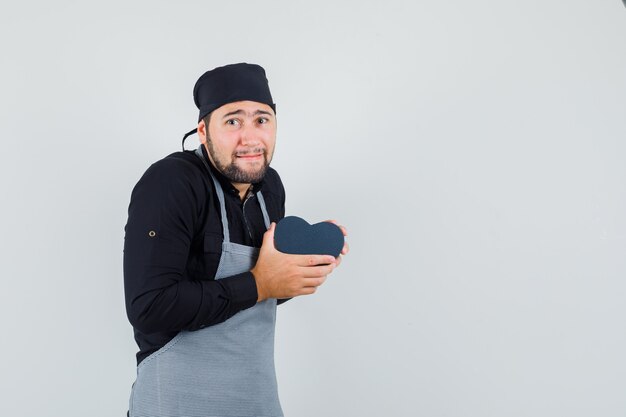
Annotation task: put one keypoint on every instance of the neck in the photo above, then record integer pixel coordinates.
(242, 188)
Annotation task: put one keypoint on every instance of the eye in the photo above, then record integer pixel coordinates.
(263, 120)
(232, 122)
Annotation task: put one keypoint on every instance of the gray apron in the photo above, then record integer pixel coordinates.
(224, 370)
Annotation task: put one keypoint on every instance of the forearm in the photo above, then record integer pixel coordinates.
(187, 305)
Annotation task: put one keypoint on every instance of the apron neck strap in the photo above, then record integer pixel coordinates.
(266, 218)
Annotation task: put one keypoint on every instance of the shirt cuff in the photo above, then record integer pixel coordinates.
(242, 290)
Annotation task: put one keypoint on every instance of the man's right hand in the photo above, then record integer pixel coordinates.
(281, 275)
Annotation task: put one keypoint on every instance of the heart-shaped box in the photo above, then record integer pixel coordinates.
(295, 235)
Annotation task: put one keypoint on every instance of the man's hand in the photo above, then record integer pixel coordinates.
(281, 275)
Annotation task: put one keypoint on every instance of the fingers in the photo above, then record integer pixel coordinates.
(313, 260)
(317, 271)
(346, 248)
(343, 229)
(308, 290)
(311, 285)
(314, 282)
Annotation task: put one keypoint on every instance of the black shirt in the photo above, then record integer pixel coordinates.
(173, 244)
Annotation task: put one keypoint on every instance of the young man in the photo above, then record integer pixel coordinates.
(202, 276)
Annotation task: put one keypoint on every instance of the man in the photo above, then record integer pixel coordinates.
(202, 277)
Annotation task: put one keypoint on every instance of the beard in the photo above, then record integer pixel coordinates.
(235, 173)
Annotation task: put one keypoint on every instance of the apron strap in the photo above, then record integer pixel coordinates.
(220, 195)
(266, 218)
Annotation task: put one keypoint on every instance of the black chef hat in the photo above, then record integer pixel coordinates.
(230, 83)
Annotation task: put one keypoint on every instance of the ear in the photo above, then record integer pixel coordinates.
(202, 131)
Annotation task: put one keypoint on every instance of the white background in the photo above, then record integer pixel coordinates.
(474, 149)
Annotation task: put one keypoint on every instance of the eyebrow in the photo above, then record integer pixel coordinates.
(240, 111)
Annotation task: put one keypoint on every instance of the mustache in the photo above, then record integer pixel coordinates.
(250, 152)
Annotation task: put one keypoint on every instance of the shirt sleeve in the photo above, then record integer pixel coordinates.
(162, 217)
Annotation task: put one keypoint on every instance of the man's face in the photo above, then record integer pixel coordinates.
(240, 140)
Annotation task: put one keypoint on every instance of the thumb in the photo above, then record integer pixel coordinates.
(268, 237)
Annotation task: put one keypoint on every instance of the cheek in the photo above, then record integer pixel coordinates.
(269, 139)
(225, 144)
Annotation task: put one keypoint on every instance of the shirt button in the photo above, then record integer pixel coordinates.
(152, 233)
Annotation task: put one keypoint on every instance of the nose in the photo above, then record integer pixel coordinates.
(248, 136)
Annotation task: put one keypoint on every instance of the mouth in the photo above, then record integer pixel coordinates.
(250, 156)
